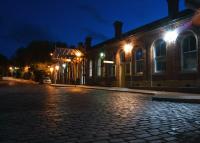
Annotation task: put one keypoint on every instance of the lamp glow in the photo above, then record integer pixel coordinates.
(64, 66)
(128, 48)
(78, 54)
(102, 55)
(57, 67)
(51, 69)
(108, 62)
(170, 36)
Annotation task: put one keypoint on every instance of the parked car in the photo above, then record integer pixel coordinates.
(46, 80)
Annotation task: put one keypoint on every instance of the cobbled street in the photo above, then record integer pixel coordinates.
(31, 113)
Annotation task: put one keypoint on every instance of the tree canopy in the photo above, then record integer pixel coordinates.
(35, 52)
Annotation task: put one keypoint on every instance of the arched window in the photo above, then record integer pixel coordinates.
(90, 68)
(139, 61)
(189, 52)
(160, 56)
(99, 67)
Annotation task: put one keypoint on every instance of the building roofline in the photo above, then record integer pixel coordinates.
(150, 26)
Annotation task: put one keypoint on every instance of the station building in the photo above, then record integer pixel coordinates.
(164, 53)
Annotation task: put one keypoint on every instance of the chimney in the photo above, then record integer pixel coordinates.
(118, 28)
(173, 8)
(88, 41)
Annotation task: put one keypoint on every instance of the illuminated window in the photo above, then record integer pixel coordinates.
(90, 68)
(139, 61)
(189, 53)
(99, 67)
(160, 56)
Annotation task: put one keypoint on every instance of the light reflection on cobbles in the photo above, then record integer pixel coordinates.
(46, 114)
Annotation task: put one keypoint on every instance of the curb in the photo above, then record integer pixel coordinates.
(177, 100)
(154, 97)
(104, 89)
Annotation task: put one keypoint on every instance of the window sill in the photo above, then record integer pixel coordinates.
(189, 71)
(139, 74)
(159, 73)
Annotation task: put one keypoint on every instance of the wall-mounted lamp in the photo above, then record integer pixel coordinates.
(128, 48)
(170, 36)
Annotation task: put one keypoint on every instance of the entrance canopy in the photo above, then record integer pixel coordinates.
(66, 54)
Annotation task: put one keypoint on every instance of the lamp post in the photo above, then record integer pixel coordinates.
(11, 70)
(78, 55)
(128, 50)
(51, 69)
(57, 69)
(63, 73)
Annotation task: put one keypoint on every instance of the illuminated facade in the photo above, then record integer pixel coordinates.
(163, 53)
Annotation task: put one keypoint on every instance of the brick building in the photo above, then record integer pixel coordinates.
(163, 53)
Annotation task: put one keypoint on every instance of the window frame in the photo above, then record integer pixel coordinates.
(185, 35)
(157, 59)
(136, 61)
(90, 68)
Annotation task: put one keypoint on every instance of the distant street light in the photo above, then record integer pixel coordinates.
(78, 54)
(64, 65)
(51, 69)
(102, 55)
(57, 67)
(51, 54)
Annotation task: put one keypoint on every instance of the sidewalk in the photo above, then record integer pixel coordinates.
(18, 80)
(156, 95)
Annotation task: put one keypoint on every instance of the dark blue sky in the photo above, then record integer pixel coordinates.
(70, 21)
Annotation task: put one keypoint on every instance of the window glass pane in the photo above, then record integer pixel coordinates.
(160, 56)
(185, 45)
(163, 49)
(139, 66)
(190, 61)
(113, 70)
(192, 43)
(157, 52)
(189, 55)
(160, 48)
(139, 54)
(128, 68)
(160, 66)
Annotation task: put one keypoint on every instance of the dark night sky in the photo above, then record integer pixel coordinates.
(70, 21)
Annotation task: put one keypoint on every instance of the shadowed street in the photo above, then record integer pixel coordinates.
(43, 114)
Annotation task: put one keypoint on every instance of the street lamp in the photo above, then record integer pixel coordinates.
(128, 50)
(102, 55)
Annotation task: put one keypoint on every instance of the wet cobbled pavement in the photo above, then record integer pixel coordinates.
(31, 113)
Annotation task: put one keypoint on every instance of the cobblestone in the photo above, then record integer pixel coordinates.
(44, 114)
